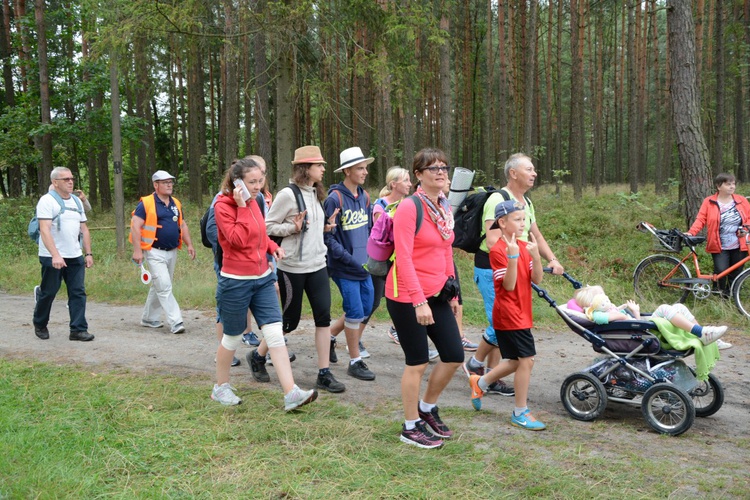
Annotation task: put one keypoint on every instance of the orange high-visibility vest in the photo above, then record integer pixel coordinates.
(148, 231)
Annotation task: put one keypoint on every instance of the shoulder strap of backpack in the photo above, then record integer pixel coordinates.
(420, 214)
(298, 196)
(506, 196)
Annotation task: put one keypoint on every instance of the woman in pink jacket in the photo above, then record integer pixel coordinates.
(722, 214)
(422, 301)
(246, 281)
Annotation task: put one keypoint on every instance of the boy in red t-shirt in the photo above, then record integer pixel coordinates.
(515, 264)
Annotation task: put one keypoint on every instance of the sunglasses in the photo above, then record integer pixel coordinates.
(435, 170)
(66, 179)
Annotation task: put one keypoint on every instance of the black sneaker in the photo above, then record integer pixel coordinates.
(501, 388)
(420, 436)
(359, 370)
(82, 336)
(333, 358)
(432, 419)
(42, 333)
(235, 361)
(257, 366)
(328, 383)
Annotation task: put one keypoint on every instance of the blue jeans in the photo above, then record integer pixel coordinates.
(234, 296)
(486, 286)
(357, 298)
(52, 278)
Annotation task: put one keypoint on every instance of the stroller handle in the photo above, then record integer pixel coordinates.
(576, 284)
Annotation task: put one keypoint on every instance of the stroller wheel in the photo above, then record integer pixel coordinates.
(583, 395)
(708, 396)
(668, 409)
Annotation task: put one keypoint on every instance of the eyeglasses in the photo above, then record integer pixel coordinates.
(435, 169)
(66, 179)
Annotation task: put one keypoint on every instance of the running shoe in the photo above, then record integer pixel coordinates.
(432, 354)
(469, 346)
(151, 324)
(501, 388)
(526, 421)
(250, 339)
(292, 357)
(420, 436)
(360, 370)
(257, 364)
(363, 351)
(329, 383)
(393, 335)
(432, 419)
(723, 345)
(332, 356)
(297, 397)
(712, 334)
(178, 328)
(476, 392)
(470, 369)
(224, 394)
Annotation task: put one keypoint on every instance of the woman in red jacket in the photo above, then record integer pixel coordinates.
(723, 214)
(246, 281)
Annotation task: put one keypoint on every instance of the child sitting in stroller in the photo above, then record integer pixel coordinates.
(593, 302)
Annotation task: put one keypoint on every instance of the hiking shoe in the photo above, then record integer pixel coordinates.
(420, 436)
(328, 383)
(37, 293)
(469, 346)
(470, 370)
(297, 397)
(235, 361)
(526, 421)
(250, 339)
(178, 328)
(432, 354)
(292, 357)
(712, 334)
(432, 419)
(723, 345)
(332, 357)
(81, 336)
(151, 324)
(257, 364)
(501, 388)
(363, 351)
(42, 333)
(224, 394)
(476, 392)
(393, 335)
(359, 370)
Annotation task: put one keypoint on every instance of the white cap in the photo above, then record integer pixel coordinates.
(161, 175)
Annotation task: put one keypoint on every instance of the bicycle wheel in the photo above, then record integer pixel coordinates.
(741, 292)
(649, 281)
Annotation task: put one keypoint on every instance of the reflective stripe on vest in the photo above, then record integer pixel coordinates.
(148, 231)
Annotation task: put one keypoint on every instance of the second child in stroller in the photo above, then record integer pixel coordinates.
(592, 301)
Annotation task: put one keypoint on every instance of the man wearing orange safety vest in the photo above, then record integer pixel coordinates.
(157, 230)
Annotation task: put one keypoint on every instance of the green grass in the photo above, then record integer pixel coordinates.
(70, 433)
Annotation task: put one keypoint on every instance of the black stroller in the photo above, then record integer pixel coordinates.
(636, 370)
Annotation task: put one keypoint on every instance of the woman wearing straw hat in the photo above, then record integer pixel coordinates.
(303, 270)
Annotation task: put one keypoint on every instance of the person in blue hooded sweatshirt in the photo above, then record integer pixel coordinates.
(347, 251)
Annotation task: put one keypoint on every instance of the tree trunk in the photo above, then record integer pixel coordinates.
(691, 145)
(717, 153)
(231, 107)
(45, 140)
(285, 115)
(146, 147)
(196, 121)
(446, 103)
(632, 100)
(6, 51)
(117, 154)
(577, 153)
(262, 105)
(530, 78)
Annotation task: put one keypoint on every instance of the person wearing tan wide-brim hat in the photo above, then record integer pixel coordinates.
(308, 154)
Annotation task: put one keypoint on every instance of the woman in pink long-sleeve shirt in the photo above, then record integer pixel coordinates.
(424, 262)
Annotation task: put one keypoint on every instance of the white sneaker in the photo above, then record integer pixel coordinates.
(178, 328)
(723, 345)
(151, 324)
(712, 333)
(224, 394)
(432, 354)
(297, 397)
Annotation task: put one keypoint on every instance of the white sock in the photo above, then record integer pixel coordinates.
(409, 424)
(482, 383)
(518, 411)
(473, 362)
(426, 407)
(354, 360)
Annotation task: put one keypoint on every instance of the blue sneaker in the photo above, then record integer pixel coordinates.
(250, 339)
(526, 421)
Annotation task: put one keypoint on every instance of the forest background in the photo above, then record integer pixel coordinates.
(593, 90)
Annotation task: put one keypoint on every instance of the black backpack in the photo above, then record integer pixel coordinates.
(204, 222)
(468, 221)
(300, 206)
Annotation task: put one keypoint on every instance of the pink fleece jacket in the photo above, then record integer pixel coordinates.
(423, 262)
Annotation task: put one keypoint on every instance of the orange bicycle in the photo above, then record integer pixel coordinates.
(664, 279)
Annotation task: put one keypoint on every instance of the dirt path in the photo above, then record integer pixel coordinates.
(121, 344)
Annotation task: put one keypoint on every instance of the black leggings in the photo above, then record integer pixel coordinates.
(413, 336)
(318, 290)
(723, 261)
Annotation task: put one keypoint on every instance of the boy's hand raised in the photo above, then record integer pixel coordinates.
(533, 248)
(512, 244)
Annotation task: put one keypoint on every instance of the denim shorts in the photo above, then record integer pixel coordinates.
(233, 297)
(357, 298)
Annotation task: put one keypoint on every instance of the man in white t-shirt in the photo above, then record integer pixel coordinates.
(61, 256)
